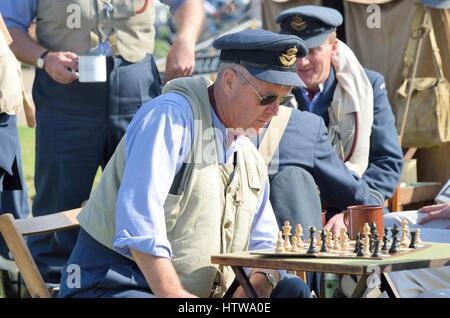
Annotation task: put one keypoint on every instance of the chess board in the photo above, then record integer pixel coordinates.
(332, 253)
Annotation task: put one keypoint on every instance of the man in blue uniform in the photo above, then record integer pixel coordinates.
(186, 183)
(80, 124)
(353, 104)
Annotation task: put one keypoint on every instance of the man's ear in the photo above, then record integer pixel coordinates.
(228, 81)
(334, 46)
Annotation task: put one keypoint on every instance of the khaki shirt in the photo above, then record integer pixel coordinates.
(10, 80)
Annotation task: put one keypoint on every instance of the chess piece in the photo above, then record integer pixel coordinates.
(312, 248)
(359, 249)
(385, 240)
(376, 248)
(418, 240)
(294, 247)
(344, 239)
(358, 240)
(299, 235)
(413, 240)
(286, 233)
(323, 237)
(395, 246)
(366, 244)
(280, 243)
(329, 239)
(366, 229)
(373, 238)
(404, 242)
(337, 245)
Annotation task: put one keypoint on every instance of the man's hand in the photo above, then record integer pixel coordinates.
(336, 223)
(438, 211)
(160, 276)
(180, 60)
(61, 66)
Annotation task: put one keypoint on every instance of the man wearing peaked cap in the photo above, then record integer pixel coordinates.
(164, 206)
(268, 56)
(353, 104)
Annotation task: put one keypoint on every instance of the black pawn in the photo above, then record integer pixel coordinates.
(385, 240)
(360, 251)
(413, 240)
(358, 240)
(312, 249)
(323, 237)
(373, 229)
(376, 248)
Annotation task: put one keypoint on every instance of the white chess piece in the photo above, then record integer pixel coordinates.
(337, 245)
(404, 242)
(366, 245)
(294, 247)
(287, 232)
(299, 235)
(280, 243)
(329, 240)
(418, 240)
(344, 239)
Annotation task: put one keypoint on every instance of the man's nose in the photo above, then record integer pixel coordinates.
(274, 107)
(304, 61)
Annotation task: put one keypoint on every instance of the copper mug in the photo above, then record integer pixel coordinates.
(358, 215)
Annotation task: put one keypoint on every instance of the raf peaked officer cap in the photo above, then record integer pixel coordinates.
(268, 56)
(312, 23)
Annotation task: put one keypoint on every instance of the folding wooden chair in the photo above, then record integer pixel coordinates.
(13, 231)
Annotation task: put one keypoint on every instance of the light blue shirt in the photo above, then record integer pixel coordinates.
(157, 143)
(20, 14)
(311, 103)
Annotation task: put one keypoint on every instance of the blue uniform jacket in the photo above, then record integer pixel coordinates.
(305, 144)
(386, 156)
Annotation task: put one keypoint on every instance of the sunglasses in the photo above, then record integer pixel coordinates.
(265, 100)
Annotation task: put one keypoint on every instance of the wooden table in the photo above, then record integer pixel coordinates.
(437, 255)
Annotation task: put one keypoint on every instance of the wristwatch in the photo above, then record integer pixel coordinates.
(40, 62)
(270, 278)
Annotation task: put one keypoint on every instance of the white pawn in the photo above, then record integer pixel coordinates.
(337, 245)
(418, 240)
(294, 247)
(280, 243)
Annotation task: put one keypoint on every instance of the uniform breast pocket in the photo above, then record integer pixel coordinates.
(172, 210)
(124, 9)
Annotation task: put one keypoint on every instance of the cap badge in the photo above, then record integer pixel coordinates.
(289, 58)
(298, 24)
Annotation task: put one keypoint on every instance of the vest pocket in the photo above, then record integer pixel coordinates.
(172, 210)
(123, 9)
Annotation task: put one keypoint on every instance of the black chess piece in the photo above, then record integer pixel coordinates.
(373, 238)
(395, 246)
(413, 240)
(358, 240)
(376, 248)
(360, 251)
(373, 229)
(385, 240)
(323, 237)
(312, 249)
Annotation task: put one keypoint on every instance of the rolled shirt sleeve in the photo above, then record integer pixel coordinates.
(157, 143)
(18, 13)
